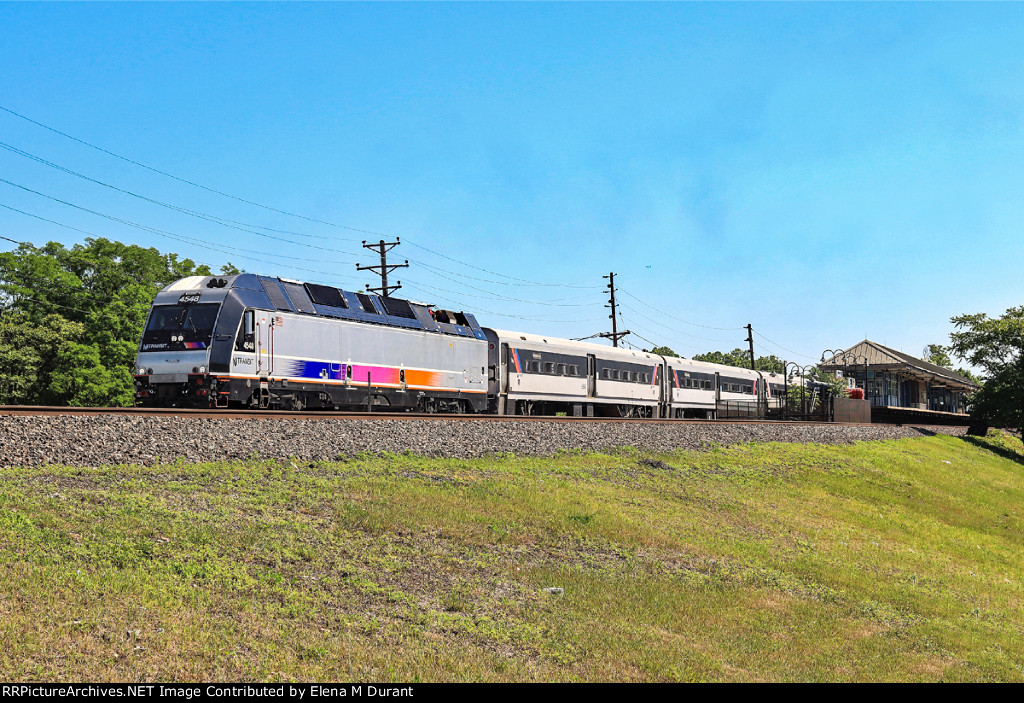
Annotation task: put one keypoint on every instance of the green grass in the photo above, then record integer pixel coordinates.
(877, 561)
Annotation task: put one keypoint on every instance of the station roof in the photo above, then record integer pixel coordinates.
(882, 358)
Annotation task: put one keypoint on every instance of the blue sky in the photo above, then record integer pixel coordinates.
(824, 172)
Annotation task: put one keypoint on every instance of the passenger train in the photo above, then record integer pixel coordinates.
(249, 341)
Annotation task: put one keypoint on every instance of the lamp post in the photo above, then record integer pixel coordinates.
(803, 387)
(848, 361)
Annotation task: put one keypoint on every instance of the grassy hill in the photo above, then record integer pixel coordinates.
(893, 560)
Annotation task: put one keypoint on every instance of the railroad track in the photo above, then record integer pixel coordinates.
(37, 410)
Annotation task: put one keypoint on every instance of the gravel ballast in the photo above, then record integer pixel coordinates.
(95, 440)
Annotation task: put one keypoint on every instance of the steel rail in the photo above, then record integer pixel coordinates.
(220, 414)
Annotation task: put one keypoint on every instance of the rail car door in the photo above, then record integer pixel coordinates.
(264, 343)
(502, 370)
(335, 357)
(591, 376)
(261, 340)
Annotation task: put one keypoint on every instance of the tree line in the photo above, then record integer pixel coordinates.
(71, 319)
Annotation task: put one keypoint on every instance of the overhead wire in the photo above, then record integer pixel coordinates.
(673, 317)
(231, 251)
(521, 281)
(240, 226)
(224, 249)
(246, 227)
(784, 348)
(93, 234)
(253, 229)
(672, 329)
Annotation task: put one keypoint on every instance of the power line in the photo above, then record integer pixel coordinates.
(673, 329)
(782, 347)
(240, 226)
(224, 249)
(180, 179)
(677, 319)
(248, 227)
(521, 281)
(177, 208)
(246, 255)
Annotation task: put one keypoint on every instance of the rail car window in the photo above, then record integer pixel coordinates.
(574, 370)
(549, 367)
(561, 369)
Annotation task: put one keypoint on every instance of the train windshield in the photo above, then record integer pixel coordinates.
(180, 327)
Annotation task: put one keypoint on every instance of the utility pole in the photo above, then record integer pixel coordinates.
(750, 339)
(383, 269)
(615, 335)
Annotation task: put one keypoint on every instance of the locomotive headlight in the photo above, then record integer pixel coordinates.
(149, 371)
(202, 369)
(142, 371)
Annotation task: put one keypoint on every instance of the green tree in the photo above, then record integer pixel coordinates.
(995, 345)
(938, 355)
(71, 319)
(663, 351)
(740, 358)
(737, 357)
(770, 363)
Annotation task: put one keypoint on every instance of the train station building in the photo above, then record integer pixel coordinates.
(892, 379)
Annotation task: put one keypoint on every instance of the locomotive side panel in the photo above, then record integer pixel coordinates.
(353, 364)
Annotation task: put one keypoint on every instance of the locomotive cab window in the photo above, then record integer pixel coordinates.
(246, 338)
(178, 327)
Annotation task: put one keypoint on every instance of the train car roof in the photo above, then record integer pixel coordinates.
(288, 295)
(583, 347)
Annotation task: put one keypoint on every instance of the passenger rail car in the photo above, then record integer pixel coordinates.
(538, 375)
(261, 342)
